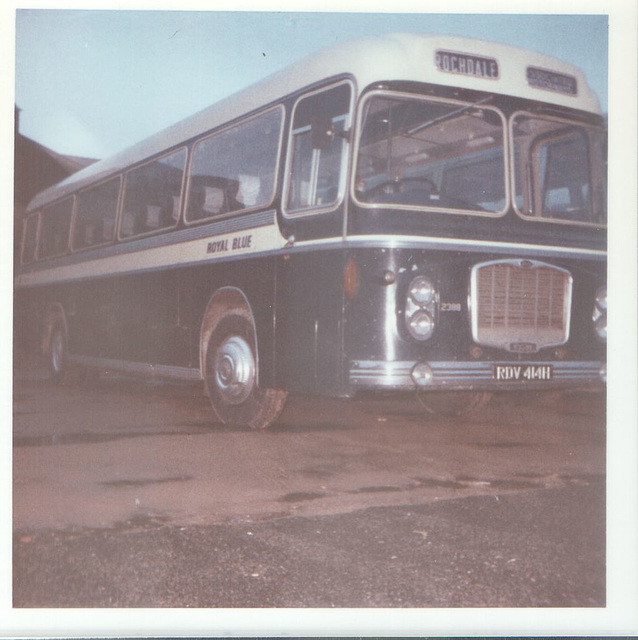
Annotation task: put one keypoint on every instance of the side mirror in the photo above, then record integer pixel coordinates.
(321, 132)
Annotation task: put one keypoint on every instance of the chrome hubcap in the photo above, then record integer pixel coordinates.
(235, 370)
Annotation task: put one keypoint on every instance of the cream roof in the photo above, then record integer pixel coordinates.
(408, 57)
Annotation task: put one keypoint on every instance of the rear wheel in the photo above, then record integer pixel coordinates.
(61, 369)
(454, 403)
(231, 375)
(57, 355)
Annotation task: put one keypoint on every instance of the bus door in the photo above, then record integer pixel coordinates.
(310, 277)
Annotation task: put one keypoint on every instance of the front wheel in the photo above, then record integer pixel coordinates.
(231, 376)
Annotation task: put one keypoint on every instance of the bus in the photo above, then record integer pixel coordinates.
(401, 214)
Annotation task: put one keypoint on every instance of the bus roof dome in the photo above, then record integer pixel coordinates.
(444, 60)
(431, 58)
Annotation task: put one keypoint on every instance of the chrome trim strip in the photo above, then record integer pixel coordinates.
(370, 374)
(154, 371)
(268, 218)
(29, 275)
(451, 244)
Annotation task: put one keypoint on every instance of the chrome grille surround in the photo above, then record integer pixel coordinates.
(520, 305)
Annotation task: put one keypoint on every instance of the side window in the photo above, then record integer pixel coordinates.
(55, 226)
(564, 177)
(152, 195)
(235, 169)
(316, 154)
(95, 215)
(30, 239)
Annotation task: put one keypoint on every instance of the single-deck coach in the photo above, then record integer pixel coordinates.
(401, 213)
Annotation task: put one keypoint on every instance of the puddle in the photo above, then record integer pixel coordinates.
(531, 474)
(438, 483)
(92, 438)
(499, 484)
(300, 496)
(465, 482)
(380, 489)
(500, 444)
(316, 473)
(515, 484)
(588, 478)
(145, 482)
(307, 428)
(140, 522)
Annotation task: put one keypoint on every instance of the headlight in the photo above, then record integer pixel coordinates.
(420, 308)
(420, 325)
(599, 315)
(422, 291)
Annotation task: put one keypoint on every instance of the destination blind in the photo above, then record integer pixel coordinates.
(466, 64)
(552, 81)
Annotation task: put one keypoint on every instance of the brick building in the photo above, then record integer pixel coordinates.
(36, 167)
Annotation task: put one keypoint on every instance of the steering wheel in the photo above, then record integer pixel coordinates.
(398, 186)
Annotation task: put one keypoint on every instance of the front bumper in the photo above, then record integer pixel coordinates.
(458, 376)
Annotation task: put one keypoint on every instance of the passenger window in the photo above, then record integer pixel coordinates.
(152, 196)
(235, 170)
(55, 228)
(95, 215)
(317, 149)
(30, 239)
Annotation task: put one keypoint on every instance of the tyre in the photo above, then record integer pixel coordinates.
(454, 403)
(57, 355)
(61, 370)
(231, 375)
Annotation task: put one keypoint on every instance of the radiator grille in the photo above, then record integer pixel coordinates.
(520, 305)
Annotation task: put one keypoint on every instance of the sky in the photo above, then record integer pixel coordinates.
(90, 83)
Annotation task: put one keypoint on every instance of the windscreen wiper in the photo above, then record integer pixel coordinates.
(447, 116)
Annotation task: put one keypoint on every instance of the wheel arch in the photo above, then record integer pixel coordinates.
(223, 301)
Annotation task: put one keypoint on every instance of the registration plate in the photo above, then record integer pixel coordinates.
(522, 373)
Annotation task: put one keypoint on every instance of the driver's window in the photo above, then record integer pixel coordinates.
(317, 150)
